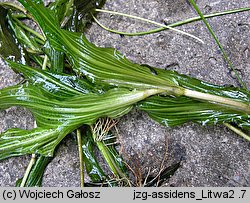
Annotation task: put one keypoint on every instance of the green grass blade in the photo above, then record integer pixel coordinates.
(238, 131)
(142, 19)
(59, 86)
(218, 43)
(23, 37)
(182, 22)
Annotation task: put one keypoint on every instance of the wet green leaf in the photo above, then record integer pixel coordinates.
(110, 145)
(58, 109)
(9, 47)
(93, 168)
(174, 111)
(106, 66)
(36, 174)
(23, 37)
(105, 84)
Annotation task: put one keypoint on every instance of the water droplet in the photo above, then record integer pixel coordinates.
(212, 60)
(161, 39)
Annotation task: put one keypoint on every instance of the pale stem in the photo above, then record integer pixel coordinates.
(27, 172)
(45, 62)
(145, 20)
(238, 131)
(79, 141)
(218, 43)
(218, 99)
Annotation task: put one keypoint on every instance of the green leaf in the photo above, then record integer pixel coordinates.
(172, 111)
(93, 168)
(59, 108)
(57, 118)
(114, 154)
(106, 66)
(236, 93)
(56, 59)
(23, 37)
(100, 65)
(74, 15)
(59, 86)
(9, 47)
(16, 142)
(36, 174)
(109, 153)
(62, 9)
(84, 9)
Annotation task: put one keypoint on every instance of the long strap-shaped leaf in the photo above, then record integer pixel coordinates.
(106, 66)
(16, 142)
(59, 107)
(101, 65)
(58, 86)
(8, 42)
(176, 111)
(55, 116)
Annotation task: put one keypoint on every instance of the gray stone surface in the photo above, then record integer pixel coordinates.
(211, 156)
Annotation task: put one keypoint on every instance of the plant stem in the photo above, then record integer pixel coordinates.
(180, 91)
(27, 172)
(142, 19)
(100, 129)
(239, 106)
(79, 141)
(19, 16)
(212, 15)
(179, 23)
(16, 7)
(13, 5)
(45, 62)
(238, 131)
(25, 27)
(218, 43)
(109, 159)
